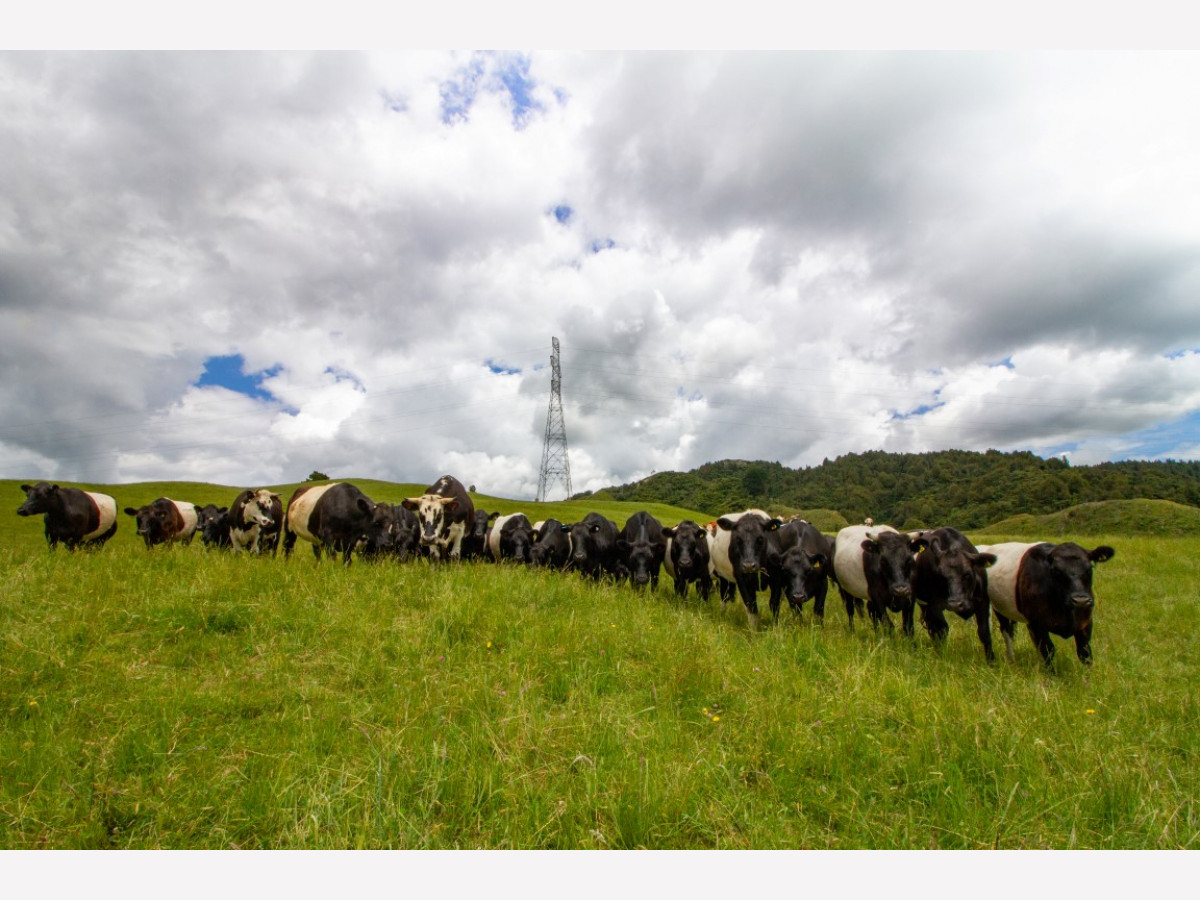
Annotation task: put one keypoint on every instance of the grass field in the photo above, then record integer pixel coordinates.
(185, 699)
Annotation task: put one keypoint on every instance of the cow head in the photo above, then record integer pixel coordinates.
(431, 512)
(1069, 567)
(959, 570)
(212, 522)
(260, 509)
(894, 555)
(38, 498)
(748, 536)
(689, 546)
(156, 521)
(800, 570)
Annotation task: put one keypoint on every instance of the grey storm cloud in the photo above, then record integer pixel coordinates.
(785, 256)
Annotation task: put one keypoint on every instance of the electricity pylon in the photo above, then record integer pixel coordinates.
(555, 465)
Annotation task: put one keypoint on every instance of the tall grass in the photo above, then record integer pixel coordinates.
(186, 699)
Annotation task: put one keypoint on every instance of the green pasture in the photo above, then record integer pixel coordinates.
(180, 698)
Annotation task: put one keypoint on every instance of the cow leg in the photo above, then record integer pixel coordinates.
(1007, 629)
(1041, 640)
(705, 587)
(906, 619)
(746, 587)
(776, 597)
(317, 551)
(289, 543)
(726, 589)
(850, 604)
(1083, 644)
(935, 623)
(983, 628)
(818, 596)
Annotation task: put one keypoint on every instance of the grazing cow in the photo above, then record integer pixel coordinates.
(511, 537)
(951, 574)
(551, 545)
(800, 568)
(641, 547)
(876, 563)
(445, 510)
(1049, 588)
(254, 517)
(335, 516)
(212, 522)
(474, 542)
(593, 545)
(165, 521)
(381, 534)
(739, 552)
(687, 559)
(75, 517)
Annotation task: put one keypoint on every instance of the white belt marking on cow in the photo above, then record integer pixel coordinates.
(301, 509)
(108, 514)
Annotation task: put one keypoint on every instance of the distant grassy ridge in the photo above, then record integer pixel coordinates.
(1144, 517)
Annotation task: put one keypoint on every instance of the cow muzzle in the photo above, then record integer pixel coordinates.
(1081, 601)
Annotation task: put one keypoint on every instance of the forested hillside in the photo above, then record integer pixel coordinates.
(950, 487)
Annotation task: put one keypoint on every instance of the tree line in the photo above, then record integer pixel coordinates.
(966, 489)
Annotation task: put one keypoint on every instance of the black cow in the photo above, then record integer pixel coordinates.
(1049, 588)
(593, 546)
(799, 568)
(641, 547)
(877, 564)
(687, 558)
(511, 537)
(739, 551)
(474, 542)
(381, 534)
(445, 509)
(165, 521)
(551, 545)
(212, 522)
(255, 520)
(951, 574)
(74, 517)
(334, 516)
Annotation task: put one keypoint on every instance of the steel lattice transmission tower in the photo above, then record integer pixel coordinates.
(555, 465)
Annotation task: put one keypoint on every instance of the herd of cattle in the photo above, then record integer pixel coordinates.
(875, 567)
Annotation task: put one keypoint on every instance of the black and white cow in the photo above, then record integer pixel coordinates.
(687, 559)
(1049, 588)
(254, 518)
(877, 564)
(951, 574)
(474, 542)
(445, 509)
(800, 567)
(335, 516)
(511, 537)
(739, 551)
(165, 521)
(593, 546)
(551, 545)
(74, 517)
(641, 547)
(212, 522)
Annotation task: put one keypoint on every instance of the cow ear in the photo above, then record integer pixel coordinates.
(1102, 554)
(130, 511)
(1040, 552)
(819, 561)
(918, 545)
(564, 527)
(987, 559)
(366, 505)
(726, 524)
(27, 488)
(774, 524)
(411, 502)
(492, 517)
(668, 532)
(870, 546)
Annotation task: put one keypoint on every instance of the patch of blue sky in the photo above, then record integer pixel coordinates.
(921, 410)
(339, 375)
(562, 213)
(509, 74)
(601, 244)
(497, 368)
(1006, 363)
(230, 373)
(1178, 439)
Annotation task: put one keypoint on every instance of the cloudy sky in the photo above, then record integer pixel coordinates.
(240, 267)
